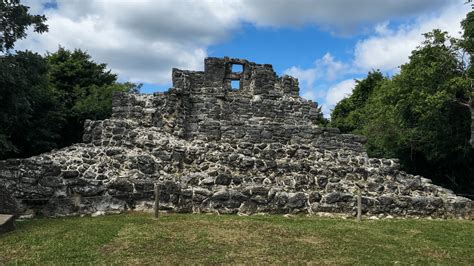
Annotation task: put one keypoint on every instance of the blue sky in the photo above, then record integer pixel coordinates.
(325, 44)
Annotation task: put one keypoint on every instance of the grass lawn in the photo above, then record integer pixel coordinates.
(137, 238)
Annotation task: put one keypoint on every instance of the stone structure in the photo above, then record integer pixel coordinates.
(211, 148)
(7, 223)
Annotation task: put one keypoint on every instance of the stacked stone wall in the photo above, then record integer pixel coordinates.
(213, 149)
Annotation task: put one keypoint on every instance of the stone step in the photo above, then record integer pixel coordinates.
(7, 223)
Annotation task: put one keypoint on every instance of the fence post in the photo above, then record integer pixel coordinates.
(157, 200)
(76, 197)
(359, 205)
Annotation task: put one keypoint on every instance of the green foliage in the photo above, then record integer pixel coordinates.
(14, 21)
(96, 104)
(416, 115)
(467, 43)
(347, 114)
(30, 115)
(468, 35)
(45, 101)
(85, 89)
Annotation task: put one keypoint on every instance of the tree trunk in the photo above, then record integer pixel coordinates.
(471, 108)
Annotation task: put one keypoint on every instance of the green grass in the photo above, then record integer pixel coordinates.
(137, 238)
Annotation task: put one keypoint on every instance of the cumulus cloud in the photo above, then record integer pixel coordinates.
(315, 81)
(142, 40)
(325, 68)
(386, 49)
(342, 15)
(389, 48)
(337, 93)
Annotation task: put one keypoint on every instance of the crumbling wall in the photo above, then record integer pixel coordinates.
(210, 176)
(214, 149)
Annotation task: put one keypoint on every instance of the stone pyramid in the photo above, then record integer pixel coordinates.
(209, 147)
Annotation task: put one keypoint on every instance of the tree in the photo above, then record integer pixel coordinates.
(416, 115)
(14, 20)
(85, 89)
(348, 113)
(30, 114)
(467, 43)
(44, 101)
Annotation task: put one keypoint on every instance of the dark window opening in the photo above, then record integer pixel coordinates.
(235, 84)
(236, 68)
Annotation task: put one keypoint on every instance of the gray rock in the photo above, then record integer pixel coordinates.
(297, 200)
(213, 149)
(221, 195)
(223, 179)
(333, 197)
(314, 196)
(51, 181)
(70, 174)
(121, 184)
(8, 204)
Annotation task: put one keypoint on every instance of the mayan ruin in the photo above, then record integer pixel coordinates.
(209, 147)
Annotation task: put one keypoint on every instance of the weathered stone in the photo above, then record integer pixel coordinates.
(51, 181)
(70, 174)
(88, 190)
(202, 191)
(221, 195)
(213, 149)
(237, 196)
(314, 197)
(121, 184)
(223, 179)
(8, 205)
(297, 200)
(332, 197)
(51, 170)
(208, 181)
(146, 164)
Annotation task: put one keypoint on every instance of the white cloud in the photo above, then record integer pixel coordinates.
(139, 40)
(390, 48)
(332, 67)
(142, 40)
(339, 91)
(315, 80)
(326, 81)
(306, 77)
(343, 15)
(325, 68)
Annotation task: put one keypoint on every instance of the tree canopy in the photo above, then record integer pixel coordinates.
(348, 115)
(85, 89)
(44, 101)
(467, 43)
(14, 21)
(416, 115)
(30, 113)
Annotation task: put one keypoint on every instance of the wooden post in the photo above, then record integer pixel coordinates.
(76, 199)
(157, 200)
(359, 204)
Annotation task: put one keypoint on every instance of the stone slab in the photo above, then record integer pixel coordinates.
(7, 223)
